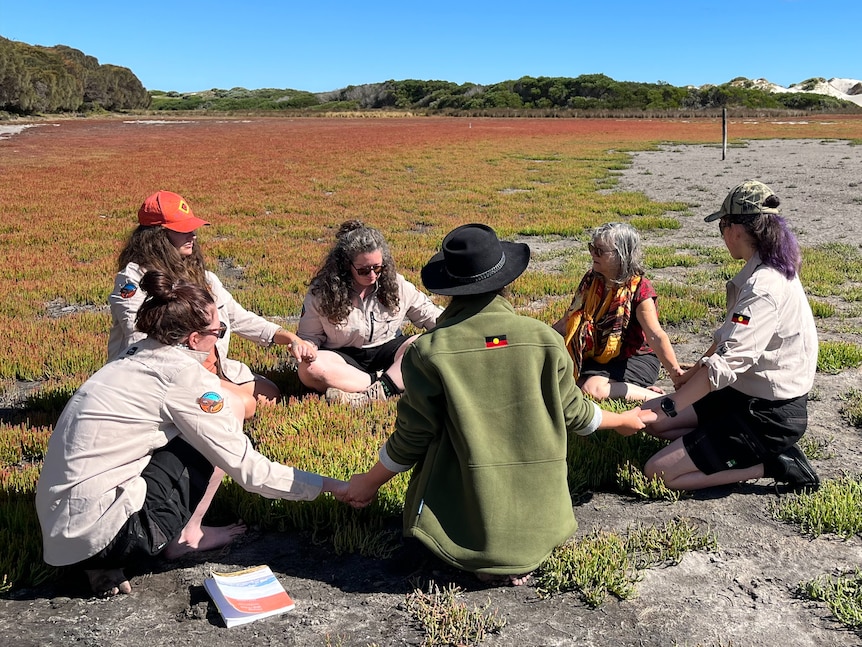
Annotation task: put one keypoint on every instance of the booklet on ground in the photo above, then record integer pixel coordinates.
(247, 595)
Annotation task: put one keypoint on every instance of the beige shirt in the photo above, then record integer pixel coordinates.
(767, 346)
(370, 324)
(127, 297)
(91, 478)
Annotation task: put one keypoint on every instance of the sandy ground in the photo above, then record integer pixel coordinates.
(743, 595)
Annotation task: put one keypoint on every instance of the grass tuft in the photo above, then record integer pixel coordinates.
(842, 594)
(446, 620)
(835, 508)
(852, 407)
(837, 356)
(605, 563)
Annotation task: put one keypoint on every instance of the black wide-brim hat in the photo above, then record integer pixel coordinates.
(473, 261)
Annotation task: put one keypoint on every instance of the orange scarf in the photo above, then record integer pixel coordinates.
(596, 320)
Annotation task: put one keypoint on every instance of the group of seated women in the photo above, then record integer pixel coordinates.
(142, 446)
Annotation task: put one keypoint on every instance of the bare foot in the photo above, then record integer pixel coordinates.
(502, 580)
(520, 580)
(201, 538)
(107, 583)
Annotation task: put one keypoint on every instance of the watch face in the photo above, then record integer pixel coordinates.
(668, 406)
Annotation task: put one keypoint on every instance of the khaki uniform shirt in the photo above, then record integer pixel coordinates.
(127, 297)
(370, 324)
(91, 478)
(767, 346)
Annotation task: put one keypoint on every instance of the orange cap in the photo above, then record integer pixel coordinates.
(169, 210)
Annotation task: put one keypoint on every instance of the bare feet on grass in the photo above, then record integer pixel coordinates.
(108, 582)
(504, 580)
(202, 538)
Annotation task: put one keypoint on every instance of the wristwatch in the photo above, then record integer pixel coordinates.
(669, 407)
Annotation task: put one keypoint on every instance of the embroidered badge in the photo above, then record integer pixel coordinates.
(740, 319)
(496, 341)
(211, 402)
(128, 290)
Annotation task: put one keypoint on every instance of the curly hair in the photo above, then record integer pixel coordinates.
(333, 281)
(626, 242)
(173, 309)
(151, 248)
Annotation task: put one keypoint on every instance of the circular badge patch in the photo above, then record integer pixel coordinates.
(211, 402)
(128, 290)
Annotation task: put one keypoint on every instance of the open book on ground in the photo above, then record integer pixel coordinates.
(247, 595)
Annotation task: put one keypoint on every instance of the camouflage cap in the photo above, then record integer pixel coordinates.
(751, 198)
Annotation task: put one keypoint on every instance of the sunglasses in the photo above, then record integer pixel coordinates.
(365, 271)
(723, 224)
(598, 251)
(220, 332)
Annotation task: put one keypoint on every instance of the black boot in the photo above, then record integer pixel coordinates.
(792, 467)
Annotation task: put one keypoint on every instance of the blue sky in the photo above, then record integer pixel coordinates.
(320, 45)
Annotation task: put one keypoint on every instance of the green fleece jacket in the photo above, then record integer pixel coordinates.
(485, 418)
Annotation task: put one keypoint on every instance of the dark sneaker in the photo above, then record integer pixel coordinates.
(792, 467)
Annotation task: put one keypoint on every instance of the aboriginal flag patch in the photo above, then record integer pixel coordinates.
(740, 319)
(496, 341)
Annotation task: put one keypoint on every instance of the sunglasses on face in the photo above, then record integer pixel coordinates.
(219, 332)
(723, 224)
(368, 269)
(598, 251)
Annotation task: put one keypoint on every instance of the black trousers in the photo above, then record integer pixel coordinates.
(177, 477)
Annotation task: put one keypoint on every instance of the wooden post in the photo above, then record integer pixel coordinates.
(723, 133)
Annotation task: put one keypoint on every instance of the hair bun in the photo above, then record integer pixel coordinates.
(348, 226)
(771, 201)
(157, 284)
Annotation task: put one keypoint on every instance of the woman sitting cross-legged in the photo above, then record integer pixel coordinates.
(611, 328)
(354, 311)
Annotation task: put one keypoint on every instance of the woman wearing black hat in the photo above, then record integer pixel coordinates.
(741, 409)
(489, 403)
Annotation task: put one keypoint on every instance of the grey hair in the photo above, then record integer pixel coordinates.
(626, 242)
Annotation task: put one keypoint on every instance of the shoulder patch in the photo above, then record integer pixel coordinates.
(496, 341)
(211, 402)
(128, 290)
(740, 319)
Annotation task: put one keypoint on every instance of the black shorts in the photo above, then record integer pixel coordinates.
(177, 477)
(640, 370)
(376, 358)
(735, 430)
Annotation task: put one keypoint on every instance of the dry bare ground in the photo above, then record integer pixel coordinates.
(743, 595)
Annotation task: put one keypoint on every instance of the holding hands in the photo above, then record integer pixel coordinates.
(300, 349)
(634, 420)
(303, 350)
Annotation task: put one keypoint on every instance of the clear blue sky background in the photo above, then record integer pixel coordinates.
(320, 45)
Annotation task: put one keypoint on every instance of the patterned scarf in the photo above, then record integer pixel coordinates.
(595, 321)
